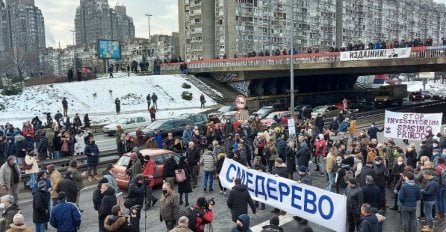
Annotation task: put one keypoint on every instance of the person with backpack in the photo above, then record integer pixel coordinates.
(441, 169)
(184, 186)
(199, 215)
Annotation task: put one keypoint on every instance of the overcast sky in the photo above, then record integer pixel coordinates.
(59, 17)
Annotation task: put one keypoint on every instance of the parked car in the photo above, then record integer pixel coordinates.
(158, 155)
(269, 120)
(325, 111)
(230, 115)
(127, 124)
(174, 125)
(263, 112)
(426, 94)
(222, 110)
(199, 120)
(416, 96)
(437, 97)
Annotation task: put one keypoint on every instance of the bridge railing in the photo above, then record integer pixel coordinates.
(302, 58)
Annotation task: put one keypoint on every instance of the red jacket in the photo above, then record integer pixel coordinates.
(149, 170)
(205, 219)
(320, 146)
(28, 130)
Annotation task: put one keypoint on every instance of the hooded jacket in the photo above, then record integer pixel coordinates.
(244, 218)
(369, 223)
(65, 217)
(409, 194)
(238, 201)
(114, 223)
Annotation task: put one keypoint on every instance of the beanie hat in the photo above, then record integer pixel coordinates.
(133, 156)
(18, 219)
(302, 169)
(41, 184)
(103, 180)
(201, 202)
(274, 220)
(61, 196)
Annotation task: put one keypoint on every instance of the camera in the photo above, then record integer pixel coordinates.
(210, 202)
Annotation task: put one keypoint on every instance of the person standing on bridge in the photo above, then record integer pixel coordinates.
(149, 100)
(202, 101)
(154, 100)
(92, 153)
(118, 105)
(65, 106)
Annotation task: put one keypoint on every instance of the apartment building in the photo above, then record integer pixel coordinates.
(242, 26)
(23, 27)
(96, 20)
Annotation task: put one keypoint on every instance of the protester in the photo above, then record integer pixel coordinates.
(243, 221)
(169, 206)
(273, 225)
(18, 224)
(65, 216)
(55, 178)
(10, 178)
(183, 225)
(116, 221)
(239, 199)
(107, 202)
(41, 206)
(10, 210)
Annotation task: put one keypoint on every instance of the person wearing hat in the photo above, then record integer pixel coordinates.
(273, 225)
(41, 206)
(136, 166)
(76, 176)
(68, 186)
(243, 221)
(10, 178)
(55, 178)
(41, 176)
(116, 221)
(65, 216)
(18, 224)
(92, 153)
(9, 210)
(204, 214)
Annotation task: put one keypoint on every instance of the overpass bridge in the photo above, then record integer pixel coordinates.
(313, 72)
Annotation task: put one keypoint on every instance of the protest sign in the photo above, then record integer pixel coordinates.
(376, 54)
(322, 207)
(412, 126)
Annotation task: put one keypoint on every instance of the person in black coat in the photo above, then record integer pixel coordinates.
(366, 170)
(372, 194)
(107, 203)
(41, 206)
(239, 199)
(68, 186)
(87, 121)
(184, 187)
(303, 153)
(97, 195)
(290, 159)
(136, 190)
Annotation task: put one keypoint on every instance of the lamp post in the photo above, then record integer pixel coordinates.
(292, 62)
(148, 23)
(74, 51)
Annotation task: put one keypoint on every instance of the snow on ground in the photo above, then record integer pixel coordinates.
(96, 97)
(431, 86)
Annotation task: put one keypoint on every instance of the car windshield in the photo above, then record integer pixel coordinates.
(272, 115)
(123, 161)
(264, 110)
(155, 125)
(224, 109)
(320, 108)
(122, 121)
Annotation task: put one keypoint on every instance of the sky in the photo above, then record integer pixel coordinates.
(59, 18)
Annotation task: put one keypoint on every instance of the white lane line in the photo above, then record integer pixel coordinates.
(283, 219)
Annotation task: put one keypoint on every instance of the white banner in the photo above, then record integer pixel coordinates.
(412, 126)
(314, 204)
(376, 54)
(291, 127)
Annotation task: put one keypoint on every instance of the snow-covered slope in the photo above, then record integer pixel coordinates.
(96, 97)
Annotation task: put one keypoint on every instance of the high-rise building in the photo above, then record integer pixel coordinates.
(23, 26)
(240, 27)
(96, 20)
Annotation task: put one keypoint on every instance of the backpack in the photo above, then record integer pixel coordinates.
(442, 176)
(180, 175)
(191, 213)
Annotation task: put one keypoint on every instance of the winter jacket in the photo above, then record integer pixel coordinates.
(330, 163)
(77, 177)
(238, 201)
(369, 223)
(92, 153)
(373, 131)
(181, 228)
(280, 171)
(244, 218)
(372, 195)
(320, 146)
(68, 186)
(187, 136)
(136, 192)
(6, 175)
(22, 228)
(79, 146)
(169, 168)
(7, 216)
(411, 157)
(355, 198)
(193, 156)
(365, 171)
(281, 146)
(110, 179)
(208, 161)
(169, 206)
(431, 190)
(303, 155)
(65, 217)
(381, 172)
(272, 228)
(107, 202)
(97, 198)
(290, 157)
(114, 223)
(409, 194)
(55, 178)
(41, 206)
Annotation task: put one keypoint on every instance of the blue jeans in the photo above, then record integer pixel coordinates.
(441, 198)
(32, 180)
(208, 177)
(40, 227)
(56, 155)
(331, 180)
(428, 206)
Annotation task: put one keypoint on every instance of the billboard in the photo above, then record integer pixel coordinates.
(109, 49)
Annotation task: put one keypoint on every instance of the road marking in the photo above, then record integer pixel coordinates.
(283, 219)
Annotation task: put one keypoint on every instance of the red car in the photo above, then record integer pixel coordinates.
(159, 156)
(269, 120)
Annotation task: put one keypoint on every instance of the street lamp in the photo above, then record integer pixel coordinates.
(292, 62)
(74, 51)
(148, 23)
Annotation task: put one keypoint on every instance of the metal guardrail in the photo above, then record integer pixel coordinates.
(301, 58)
